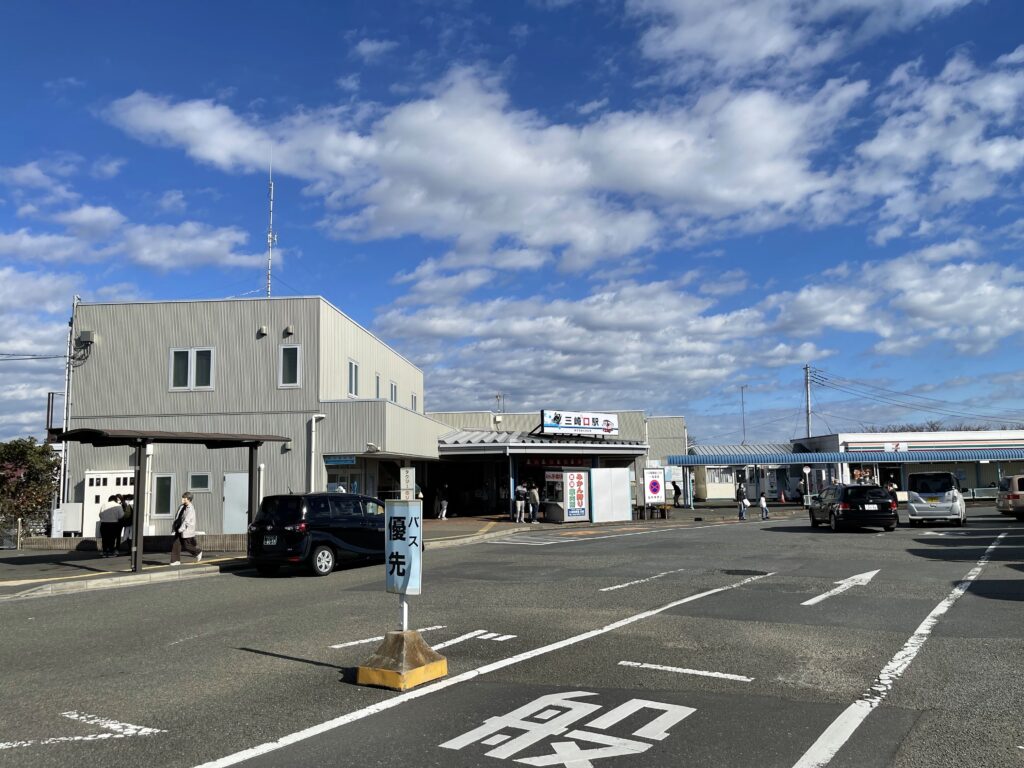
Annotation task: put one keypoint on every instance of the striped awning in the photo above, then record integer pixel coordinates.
(849, 457)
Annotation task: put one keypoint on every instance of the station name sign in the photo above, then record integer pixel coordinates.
(578, 423)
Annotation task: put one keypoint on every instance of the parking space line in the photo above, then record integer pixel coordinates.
(460, 638)
(641, 581)
(382, 706)
(684, 671)
(843, 727)
(378, 639)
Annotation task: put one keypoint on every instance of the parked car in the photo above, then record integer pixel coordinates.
(315, 530)
(935, 496)
(852, 506)
(1010, 500)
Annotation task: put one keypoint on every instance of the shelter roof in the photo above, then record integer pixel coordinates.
(112, 437)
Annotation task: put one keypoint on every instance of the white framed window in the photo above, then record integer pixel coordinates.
(191, 369)
(721, 475)
(394, 392)
(164, 502)
(199, 482)
(412, 400)
(289, 366)
(377, 389)
(353, 378)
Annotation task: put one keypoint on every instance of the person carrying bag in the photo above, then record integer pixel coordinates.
(184, 531)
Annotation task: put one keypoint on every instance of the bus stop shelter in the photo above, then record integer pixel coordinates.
(140, 439)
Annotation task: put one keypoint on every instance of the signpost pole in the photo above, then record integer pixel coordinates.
(403, 613)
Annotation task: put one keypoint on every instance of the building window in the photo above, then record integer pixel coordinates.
(199, 481)
(353, 378)
(288, 366)
(721, 475)
(163, 496)
(377, 390)
(413, 399)
(192, 369)
(394, 392)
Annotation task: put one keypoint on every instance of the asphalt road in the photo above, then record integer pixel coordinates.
(681, 646)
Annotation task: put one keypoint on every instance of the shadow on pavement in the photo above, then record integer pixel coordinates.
(292, 658)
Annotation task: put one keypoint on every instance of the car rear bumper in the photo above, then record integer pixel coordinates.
(868, 520)
(933, 512)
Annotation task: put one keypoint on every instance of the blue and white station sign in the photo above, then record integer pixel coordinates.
(403, 546)
(554, 422)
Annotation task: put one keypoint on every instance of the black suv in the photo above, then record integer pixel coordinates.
(843, 506)
(316, 530)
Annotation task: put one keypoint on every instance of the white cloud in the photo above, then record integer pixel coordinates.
(172, 201)
(1016, 57)
(369, 49)
(40, 177)
(43, 247)
(349, 83)
(592, 106)
(34, 291)
(90, 221)
(107, 167)
(727, 283)
(190, 244)
(64, 84)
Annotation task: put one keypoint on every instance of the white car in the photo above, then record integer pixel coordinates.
(1010, 500)
(935, 496)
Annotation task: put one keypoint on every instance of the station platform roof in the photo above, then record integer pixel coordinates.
(763, 458)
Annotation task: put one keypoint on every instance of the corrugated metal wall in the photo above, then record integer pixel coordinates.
(631, 423)
(666, 436)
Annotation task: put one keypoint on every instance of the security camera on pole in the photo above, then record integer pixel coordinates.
(403, 660)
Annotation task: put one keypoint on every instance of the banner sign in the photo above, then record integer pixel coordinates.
(579, 423)
(654, 486)
(407, 483)
(403, 546)
(575, 491)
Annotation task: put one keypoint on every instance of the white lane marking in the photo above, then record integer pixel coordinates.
(503, 638)
(378, 639)
(860, 580)
(842, 728)
(684, 671)
(545, 542)
(114, 730)
(641, 581)
(460, 638)
(184, 639)
(489, 636)
(373, 709)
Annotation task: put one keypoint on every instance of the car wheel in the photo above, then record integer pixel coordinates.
(267, 570)
(814, 522)
(963, 520)
(322, 560)
(832, 522)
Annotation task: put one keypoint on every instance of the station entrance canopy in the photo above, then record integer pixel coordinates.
(846, 457)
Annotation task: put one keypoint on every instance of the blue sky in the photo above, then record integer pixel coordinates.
(609, 204)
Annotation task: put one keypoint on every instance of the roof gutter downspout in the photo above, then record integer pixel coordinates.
(312, 449)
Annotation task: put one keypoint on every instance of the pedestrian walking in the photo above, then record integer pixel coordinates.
(442, 502)
(520, 499)
(741, 501)
(534, 501)
(184, 531)
(127, 513)
(110, 526)
(676, 493)
(763, 504)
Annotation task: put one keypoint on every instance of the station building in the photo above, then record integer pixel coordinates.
(351, 407)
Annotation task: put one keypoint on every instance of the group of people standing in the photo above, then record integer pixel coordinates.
(742, 503)
(527, 499)
(114, 518)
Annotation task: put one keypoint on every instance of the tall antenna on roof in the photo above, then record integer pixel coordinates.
(271, 235)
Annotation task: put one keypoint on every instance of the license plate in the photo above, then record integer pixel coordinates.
(871, 506)
(269, 541)
(931, 499)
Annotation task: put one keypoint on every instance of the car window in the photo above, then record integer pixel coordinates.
(1004, 484)
(373, 508)
(318, 509)
(1020, 483)
(937, 482)
(280, 510)
(862, 494)
(345, 508)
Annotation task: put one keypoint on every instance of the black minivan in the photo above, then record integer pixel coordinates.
(852, 506)
(316, 530)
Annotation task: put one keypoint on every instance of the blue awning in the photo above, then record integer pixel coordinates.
(847, 457)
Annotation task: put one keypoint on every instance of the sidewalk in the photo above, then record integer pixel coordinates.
(35, 572)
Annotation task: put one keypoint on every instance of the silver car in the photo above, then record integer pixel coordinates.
(935, 496)
(1010, 500)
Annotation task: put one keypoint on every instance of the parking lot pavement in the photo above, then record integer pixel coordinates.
(678, 646)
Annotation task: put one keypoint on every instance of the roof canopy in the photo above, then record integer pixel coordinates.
(476, 441)
(112, 437)
(847, 457)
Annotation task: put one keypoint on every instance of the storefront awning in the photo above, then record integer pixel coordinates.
(845, 457)
(465, 442)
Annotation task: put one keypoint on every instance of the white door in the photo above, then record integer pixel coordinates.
(236, 502)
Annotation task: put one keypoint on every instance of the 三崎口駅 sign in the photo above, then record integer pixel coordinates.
(554, 422)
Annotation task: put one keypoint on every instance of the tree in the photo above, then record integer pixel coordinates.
(28, 480)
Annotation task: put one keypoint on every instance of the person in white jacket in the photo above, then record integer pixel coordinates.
(184, 531)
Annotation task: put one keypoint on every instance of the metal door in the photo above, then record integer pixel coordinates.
(236, 502)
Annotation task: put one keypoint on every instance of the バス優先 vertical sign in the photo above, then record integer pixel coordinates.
(403, 546)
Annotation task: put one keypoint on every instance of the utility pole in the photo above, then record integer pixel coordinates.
(743, 410)
(807, 396)
(271, 235)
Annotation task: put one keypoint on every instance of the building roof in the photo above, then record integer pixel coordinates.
(846, 457)
(462, 441)
(112, 437)
(748, 448)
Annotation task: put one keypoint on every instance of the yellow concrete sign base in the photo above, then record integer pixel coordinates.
(402, 661)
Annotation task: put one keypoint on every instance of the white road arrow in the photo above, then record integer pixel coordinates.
(113, 730)
(854, 581)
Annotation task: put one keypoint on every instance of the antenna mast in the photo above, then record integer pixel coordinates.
(271, 235)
